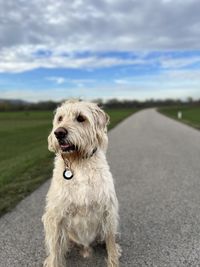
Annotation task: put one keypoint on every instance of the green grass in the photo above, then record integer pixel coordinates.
(190, 115)
(117, 115)
(25, 162)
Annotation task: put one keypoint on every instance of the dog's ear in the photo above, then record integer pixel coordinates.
(50, 143)
(101, 121)
(101, 117)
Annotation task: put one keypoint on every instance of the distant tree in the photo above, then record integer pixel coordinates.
(6, 105)
(190, 100)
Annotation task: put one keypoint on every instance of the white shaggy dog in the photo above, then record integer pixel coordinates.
(81, 203)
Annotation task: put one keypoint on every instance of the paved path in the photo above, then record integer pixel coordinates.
(156, 163)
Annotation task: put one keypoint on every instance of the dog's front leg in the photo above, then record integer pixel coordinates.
(56, 240)
(113, 250)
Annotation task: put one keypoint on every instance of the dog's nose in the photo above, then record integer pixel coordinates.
(60, 133)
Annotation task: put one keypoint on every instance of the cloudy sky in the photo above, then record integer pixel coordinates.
(99, 49)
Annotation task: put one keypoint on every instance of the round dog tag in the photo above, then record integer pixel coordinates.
(67, 174)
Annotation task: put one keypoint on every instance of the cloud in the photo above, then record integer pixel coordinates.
(180, 83)
(100, 25)
(64, 27)
(24, 58)
(109, 48)
(122, 81)
(76, 82)
(58, 80)
(181, 62)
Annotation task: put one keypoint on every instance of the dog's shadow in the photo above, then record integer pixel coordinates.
(97, 258)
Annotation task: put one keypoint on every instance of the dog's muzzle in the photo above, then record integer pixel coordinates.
(61, 135)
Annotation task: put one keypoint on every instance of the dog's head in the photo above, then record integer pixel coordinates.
(78, 127)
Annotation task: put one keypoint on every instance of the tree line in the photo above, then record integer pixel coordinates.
(17, 105)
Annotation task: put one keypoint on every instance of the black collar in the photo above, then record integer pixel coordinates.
(93, 151)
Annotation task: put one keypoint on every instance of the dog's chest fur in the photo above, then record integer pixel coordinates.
(84, 201)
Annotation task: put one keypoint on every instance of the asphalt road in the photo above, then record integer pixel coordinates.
(156, 164)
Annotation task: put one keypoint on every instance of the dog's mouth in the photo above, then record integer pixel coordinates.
(66, 146)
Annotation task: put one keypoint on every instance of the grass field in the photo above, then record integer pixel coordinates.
(25, 162)
(190, 115)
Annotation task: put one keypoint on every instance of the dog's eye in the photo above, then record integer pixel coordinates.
(60, 118)
(80, 118)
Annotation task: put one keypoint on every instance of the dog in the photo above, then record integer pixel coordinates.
(81, 204)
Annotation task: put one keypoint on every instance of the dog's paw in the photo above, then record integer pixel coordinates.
(86, 252)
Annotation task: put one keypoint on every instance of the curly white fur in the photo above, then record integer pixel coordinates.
(85, 208)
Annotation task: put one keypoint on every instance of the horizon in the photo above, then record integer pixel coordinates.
(101, 100)
(100, 49)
